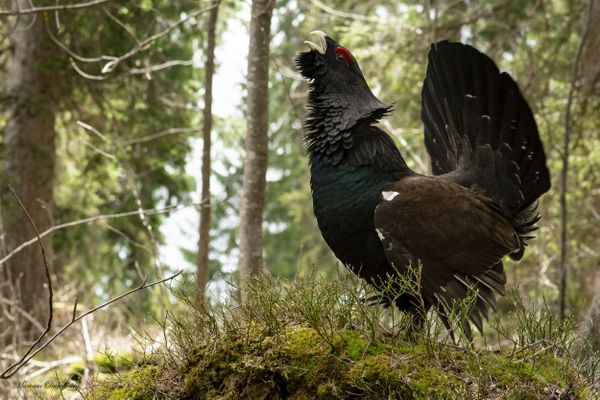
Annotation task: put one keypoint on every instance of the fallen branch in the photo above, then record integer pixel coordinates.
(14, 368)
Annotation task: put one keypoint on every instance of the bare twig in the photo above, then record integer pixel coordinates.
(125, 236)
(90, 128)
(151, 211)
(342, 14)
(133, 183)
(59, 7)
(158, 67)
(157, 135)
(14, 305)
(75, 304)
(74, 55)
(148, 42)
(176, 105)
(48, 278)
(14, 368)
(364, 18)
(85, 74)
(121, 24)
(6, 35)
(47, 366)
(114, 61)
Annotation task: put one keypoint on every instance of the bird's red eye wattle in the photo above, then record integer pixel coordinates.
(341, 54)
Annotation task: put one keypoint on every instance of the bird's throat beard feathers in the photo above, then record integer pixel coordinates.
(336, 113)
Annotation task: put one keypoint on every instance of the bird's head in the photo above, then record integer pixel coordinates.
(339, 97)
(328, 61)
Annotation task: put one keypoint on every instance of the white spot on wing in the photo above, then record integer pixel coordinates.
(380, 234)
(389, 196)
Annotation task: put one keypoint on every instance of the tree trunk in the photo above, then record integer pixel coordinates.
(564, 173)
(255, 164)
(590, 75)
(590, 66)
(205, 208)
(29, 158)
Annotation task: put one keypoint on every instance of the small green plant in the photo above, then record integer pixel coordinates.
(535, 328)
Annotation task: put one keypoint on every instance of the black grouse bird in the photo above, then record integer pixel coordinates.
(379, 217)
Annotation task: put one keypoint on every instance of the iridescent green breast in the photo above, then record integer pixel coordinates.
(344, 200)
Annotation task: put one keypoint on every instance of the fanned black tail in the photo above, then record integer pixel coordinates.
(481, 132)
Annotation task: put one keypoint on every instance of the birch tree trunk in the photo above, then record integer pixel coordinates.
(255, 164)
(29, 158)
(205, 208)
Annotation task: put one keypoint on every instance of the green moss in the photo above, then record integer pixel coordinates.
(138, 384)
(299, 364)
(110, 363)
(301, 340)
(359, 347)
(73, 373)
(379, 374)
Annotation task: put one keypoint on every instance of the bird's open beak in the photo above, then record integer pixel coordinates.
(321, 48)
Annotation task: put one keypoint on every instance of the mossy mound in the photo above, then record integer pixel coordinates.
(316, 338)
(301, 362)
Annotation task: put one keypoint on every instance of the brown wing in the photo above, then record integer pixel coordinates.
(443, 223)
(455, 233)
(459, 236)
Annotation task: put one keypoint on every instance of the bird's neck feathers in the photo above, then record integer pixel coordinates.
(337, 115)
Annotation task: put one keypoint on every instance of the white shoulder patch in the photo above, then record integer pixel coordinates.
(389, 196)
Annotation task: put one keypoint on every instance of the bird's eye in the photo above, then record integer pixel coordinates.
(343, 55)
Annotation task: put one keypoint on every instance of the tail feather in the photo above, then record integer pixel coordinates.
(459, 288)
(481, 133)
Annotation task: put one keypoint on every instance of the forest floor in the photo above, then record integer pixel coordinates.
(316, 337)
